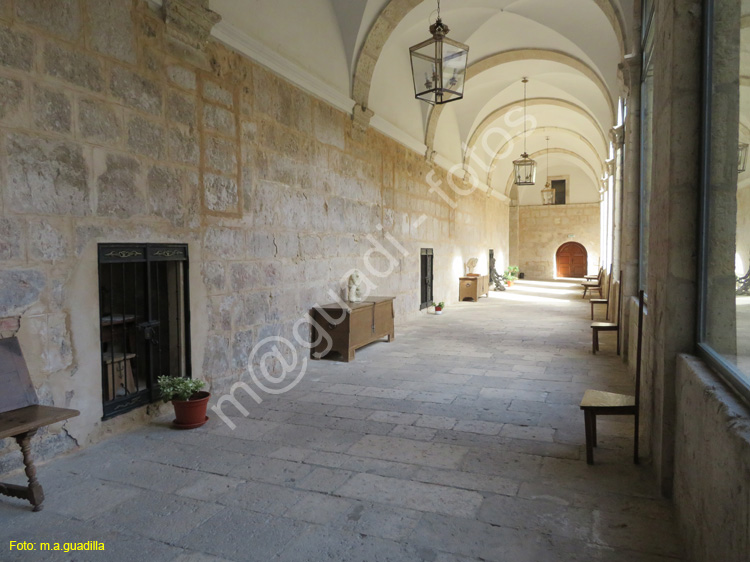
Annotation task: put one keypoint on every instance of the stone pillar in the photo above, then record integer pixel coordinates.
(673, 233)
(631, 169)
(513, 237)
(630, 70)
(618, 138)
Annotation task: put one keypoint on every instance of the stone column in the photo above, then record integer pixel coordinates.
(673, 232)
(513, 237)
(618, 139)
(631, 169)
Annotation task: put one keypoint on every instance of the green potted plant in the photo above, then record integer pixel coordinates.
(189, 401)
(510, 275)
(439, 307)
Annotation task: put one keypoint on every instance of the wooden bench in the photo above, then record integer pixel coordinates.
(600, 403)
(21, 417)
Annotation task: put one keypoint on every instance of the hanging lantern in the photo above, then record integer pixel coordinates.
(438, 66)
(548, 194)
(525, 167)
(742, 157)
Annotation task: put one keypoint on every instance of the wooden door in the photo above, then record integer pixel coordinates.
(572, 260)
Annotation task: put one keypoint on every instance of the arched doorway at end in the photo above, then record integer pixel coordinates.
(571, 260)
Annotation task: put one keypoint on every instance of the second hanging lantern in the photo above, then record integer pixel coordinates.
(525, 167)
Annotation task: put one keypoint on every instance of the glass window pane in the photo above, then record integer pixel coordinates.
(647, 149)
(423, 63)
(727, 300)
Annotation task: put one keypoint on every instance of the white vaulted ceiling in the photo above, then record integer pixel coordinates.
(351, 51)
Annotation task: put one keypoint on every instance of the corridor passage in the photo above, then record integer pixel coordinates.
(461, 440)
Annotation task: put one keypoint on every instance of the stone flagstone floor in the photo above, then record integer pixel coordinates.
(461, 440)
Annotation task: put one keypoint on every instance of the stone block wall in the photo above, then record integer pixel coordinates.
(542, 229)
(107, 135)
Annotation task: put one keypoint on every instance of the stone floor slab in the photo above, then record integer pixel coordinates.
(408, 451)
(413, 495)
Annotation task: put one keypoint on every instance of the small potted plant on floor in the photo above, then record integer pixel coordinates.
(439, 307)
(510, 275)
(189, 401)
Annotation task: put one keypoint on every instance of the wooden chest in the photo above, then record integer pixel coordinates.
(345, 330)
(473, 286)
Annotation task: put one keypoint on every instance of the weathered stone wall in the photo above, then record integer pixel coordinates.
(712, 463)
(543, 229)
(107, 136)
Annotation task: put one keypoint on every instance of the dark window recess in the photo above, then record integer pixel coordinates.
(559, 187)
(426, 278)
(145, 321)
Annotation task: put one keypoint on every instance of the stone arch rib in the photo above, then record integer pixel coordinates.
(532, 102)
(396, 10)
(506, 57)
(550, 129)
(376, 39)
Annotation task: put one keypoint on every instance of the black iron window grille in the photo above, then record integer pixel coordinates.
(426, 278)
(144, 321)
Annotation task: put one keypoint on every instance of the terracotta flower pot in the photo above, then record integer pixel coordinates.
(438, 310)
(191, 413)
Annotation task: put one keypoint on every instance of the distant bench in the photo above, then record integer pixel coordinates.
(21, 417)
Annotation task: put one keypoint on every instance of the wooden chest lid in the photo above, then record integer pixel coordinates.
(369, 302)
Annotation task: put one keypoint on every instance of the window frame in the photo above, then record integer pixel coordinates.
(648, 17)
(151, 255)
(426, 257)
(727, 371)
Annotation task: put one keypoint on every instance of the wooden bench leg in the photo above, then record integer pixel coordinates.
(589, 421)
(594, 440)
(618, 340)
(594, 340)
(36, 493)
(33, 492)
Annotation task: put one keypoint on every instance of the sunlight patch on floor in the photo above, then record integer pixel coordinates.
(564, 284)
(548, 290)
(521, 297)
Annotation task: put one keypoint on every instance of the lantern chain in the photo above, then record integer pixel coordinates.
(525, 81)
